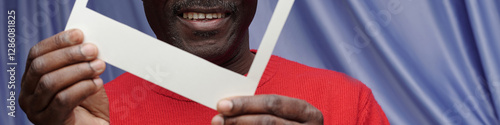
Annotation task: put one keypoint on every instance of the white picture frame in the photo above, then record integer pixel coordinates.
(170, 67)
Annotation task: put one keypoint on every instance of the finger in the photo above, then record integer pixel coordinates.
(58, 41)
(254, 119)
(55, 60)
(63, 57)
(54, 82)
(64, 102)
(280, 106)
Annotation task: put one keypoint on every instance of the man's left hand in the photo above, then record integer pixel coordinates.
(266, 110)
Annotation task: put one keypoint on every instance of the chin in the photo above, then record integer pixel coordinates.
(214, 53)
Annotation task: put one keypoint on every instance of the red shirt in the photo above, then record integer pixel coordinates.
(341, 99)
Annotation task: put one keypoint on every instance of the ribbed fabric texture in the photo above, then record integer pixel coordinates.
(341, 99)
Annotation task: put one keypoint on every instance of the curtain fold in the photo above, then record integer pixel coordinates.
(485, 22)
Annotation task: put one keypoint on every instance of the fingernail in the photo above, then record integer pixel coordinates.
(97, 65)
(217, 120)
(89, 51)
(225, 105)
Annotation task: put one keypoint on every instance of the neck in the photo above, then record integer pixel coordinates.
(242, 61)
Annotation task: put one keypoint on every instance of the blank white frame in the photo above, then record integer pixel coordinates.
(179, 71)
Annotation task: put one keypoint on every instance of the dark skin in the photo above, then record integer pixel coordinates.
(62, 73)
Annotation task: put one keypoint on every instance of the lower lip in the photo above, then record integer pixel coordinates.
(204, 25)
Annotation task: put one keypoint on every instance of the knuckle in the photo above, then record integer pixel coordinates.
(33, 53)
(61, 100)
(318, 113)
(60, 39)
(318, 116)
(273, 103)
(240, 105)
(305, 107)
(36, 67)
(312, 113)
(44, 85)
(72, 54)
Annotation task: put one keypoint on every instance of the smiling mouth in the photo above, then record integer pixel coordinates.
(203, 16)
(201, 19)
(203, 13)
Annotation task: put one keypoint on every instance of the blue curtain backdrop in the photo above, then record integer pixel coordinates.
(427, 61)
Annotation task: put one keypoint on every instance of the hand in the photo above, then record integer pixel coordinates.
(61, 84)
(266, 110)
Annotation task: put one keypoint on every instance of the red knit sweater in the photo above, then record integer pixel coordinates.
(341, 99)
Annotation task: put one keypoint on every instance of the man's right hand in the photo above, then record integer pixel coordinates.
(61, 84)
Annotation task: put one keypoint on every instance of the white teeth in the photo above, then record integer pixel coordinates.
(190, 16)
(202, 16)
(209, 16)
(195, 16)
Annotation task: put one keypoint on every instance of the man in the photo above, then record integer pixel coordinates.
(61, 83)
